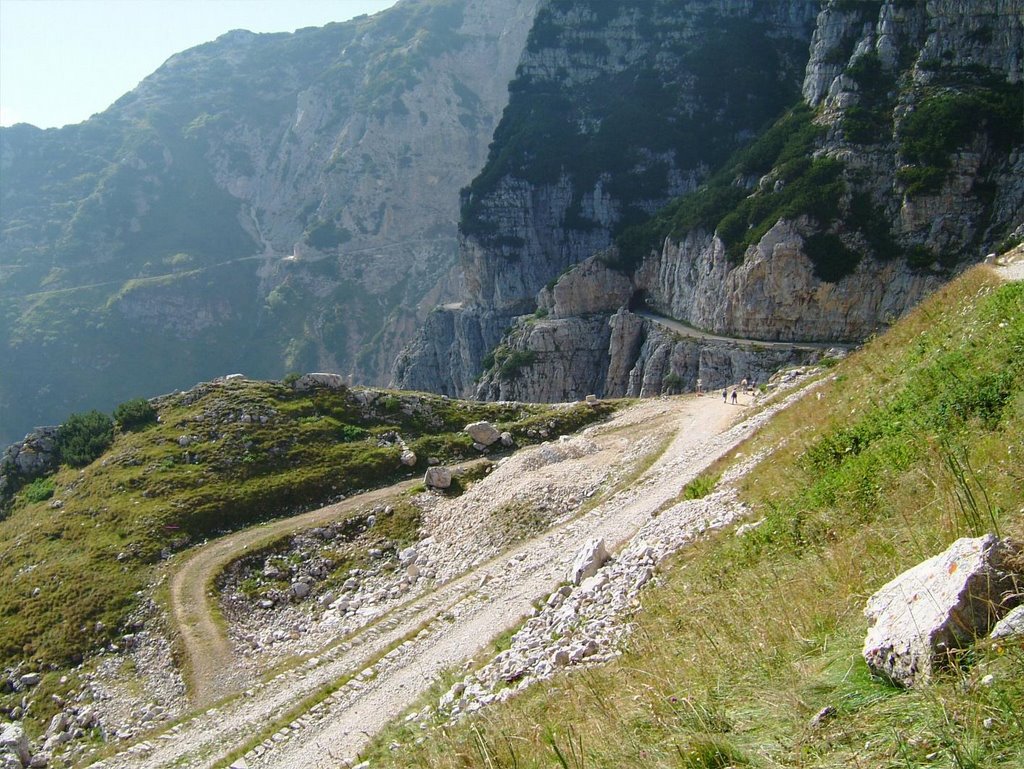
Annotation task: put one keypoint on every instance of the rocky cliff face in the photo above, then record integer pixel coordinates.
(275, 202)
(901, 162)
(615, 110)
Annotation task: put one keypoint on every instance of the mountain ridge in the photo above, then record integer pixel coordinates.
(332, 157)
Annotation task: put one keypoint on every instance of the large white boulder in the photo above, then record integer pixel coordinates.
(591, 557)
(940, 605)
(483, 432)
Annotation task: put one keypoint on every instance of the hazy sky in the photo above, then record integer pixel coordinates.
(64, 60)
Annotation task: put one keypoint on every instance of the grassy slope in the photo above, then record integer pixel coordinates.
(915, 442)
(69, 574)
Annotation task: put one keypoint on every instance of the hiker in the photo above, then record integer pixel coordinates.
(725, 395)
(743, 384)
(734, 396)
(700, 383)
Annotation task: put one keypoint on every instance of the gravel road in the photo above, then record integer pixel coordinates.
(389, 664)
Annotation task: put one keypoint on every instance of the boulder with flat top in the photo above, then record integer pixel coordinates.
(918, 621)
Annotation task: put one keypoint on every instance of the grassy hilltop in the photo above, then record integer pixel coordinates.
(915, 440)
(79, 549)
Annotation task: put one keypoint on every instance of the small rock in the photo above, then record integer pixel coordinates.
(483, 432)
(300, 589)
(437, 478)
(588, 560)
(1010, 626)
(824, 715)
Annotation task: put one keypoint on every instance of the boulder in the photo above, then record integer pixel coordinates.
(437, 477)
(940, 605)
(13, 740)
(483, 432)
(300, 589)
(309, 381)
(408, 458)
(30, 679)
(588, 560)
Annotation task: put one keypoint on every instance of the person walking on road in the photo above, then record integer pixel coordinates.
(734, 397)
(725, 396)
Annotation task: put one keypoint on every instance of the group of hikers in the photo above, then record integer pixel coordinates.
(744, 386)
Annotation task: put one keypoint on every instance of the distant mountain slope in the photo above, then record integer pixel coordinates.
(260, 203)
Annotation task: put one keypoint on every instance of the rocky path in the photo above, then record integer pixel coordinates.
(212, 664)
(689, 331)
(363, 682)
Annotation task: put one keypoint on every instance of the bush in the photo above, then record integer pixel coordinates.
(134, 414)
(39, 490)
(83, 437)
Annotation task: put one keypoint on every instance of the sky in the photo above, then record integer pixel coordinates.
(61, 61)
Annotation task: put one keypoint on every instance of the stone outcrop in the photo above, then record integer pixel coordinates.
(918, 621)
(14, 744)
(34, 456)
(1010, 626)
(774, 294)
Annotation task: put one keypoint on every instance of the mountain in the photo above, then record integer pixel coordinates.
(262, 203)
(774, 172)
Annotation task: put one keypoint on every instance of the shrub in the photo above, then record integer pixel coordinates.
(83, 437)
(134, 414)
(832, 259)
(515, 362)
(39, 490)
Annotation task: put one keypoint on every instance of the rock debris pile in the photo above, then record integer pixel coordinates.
(582, 622)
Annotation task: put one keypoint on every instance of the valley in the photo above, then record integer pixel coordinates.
(600, 370)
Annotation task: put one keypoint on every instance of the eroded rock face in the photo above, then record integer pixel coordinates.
(587, 289)
(916, 621)
(774, 294)
(524, 226)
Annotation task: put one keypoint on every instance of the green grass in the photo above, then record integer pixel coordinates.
(223, 456)
(915, 441)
